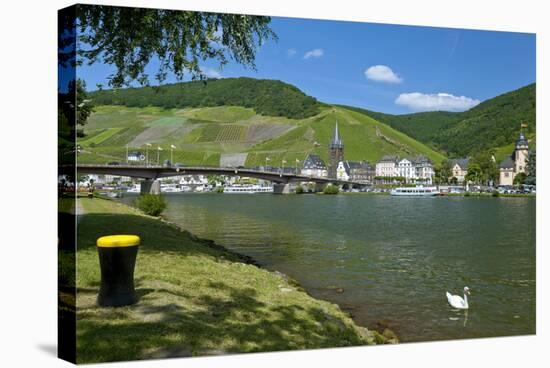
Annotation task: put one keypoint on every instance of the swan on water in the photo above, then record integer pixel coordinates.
(457, 302)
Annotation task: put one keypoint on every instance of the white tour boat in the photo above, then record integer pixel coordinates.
(415, 191)
(247, 189)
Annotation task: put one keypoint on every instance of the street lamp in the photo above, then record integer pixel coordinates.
(147, 145)
(266, 160)
(159, 148)
(172, 147)
(297, 162)
(283, 162)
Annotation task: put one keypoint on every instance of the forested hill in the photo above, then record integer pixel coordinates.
(266, 97)
(493, 123)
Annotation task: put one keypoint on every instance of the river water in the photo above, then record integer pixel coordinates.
(394, 257)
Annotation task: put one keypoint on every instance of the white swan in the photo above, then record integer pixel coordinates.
(457, 302)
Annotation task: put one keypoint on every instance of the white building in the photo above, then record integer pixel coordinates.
(406, 169)
(424, 170)
(419, 168)
(193, 180)
(387, 166)
(314, 166)
(341, 172)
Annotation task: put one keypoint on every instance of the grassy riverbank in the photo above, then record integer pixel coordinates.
(195, 298)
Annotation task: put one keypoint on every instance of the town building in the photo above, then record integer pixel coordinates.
(459, 169)
(358, 171)
(405, 169)
(415, 169)
(515, 163)
(387, 166)
(314, 166)
(336, 152)
(424, 170)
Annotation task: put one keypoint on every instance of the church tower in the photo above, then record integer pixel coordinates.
(521, 152)
(336, 152)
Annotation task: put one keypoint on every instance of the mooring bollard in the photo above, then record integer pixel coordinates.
(117, 260)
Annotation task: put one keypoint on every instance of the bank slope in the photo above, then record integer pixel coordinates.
(195, 299)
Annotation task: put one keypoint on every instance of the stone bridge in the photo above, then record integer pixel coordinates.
(150, 174)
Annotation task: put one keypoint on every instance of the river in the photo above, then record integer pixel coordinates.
(387, 260)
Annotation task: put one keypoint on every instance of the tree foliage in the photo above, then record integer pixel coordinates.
(443, 172)
(129, 38)
(76, 94)
(331, 189)
(474, 173)
(489, 169)
(491, 124)
(151, 204)
(531, 168)
(267, 97)
(520, 178)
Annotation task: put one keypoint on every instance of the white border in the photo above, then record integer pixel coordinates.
(28, 205)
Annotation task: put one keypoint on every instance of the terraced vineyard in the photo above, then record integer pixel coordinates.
(232, 133)
(241, 134)
(99, 137)
(209, 133)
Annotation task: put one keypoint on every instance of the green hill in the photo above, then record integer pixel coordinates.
(266, 97)
(216, 135)
(493, 124)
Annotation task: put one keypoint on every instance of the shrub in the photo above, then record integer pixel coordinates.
(467, 194)
(219, 190)
(151, 204)
(331, 189)
(299, 189)
(495, 193)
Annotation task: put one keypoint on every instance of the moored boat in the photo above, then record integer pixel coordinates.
(415, 191)
(247, 189)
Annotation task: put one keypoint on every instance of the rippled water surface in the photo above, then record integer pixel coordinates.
(394, 257)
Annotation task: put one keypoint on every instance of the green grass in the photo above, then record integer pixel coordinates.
(222, 114)
(167, 121)
(195, 298)
(359, 132)
(204, 133)
(101, 137)
(504, 151)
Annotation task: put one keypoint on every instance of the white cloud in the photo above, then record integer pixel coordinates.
(437, 101)
(382, 73)
(210, 72)
(314, 53)
(291, 52)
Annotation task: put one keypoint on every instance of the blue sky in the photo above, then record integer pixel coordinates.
(387, 68)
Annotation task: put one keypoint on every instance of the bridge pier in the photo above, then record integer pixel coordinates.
(149, 186)
(281, 188)
(319, 187)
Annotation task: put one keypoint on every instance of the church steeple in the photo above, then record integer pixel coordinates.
(522, 143)
(336, 140)
(336, 151)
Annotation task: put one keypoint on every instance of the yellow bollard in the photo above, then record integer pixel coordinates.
(117, 260)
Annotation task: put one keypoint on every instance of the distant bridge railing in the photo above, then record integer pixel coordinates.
(156, 172)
